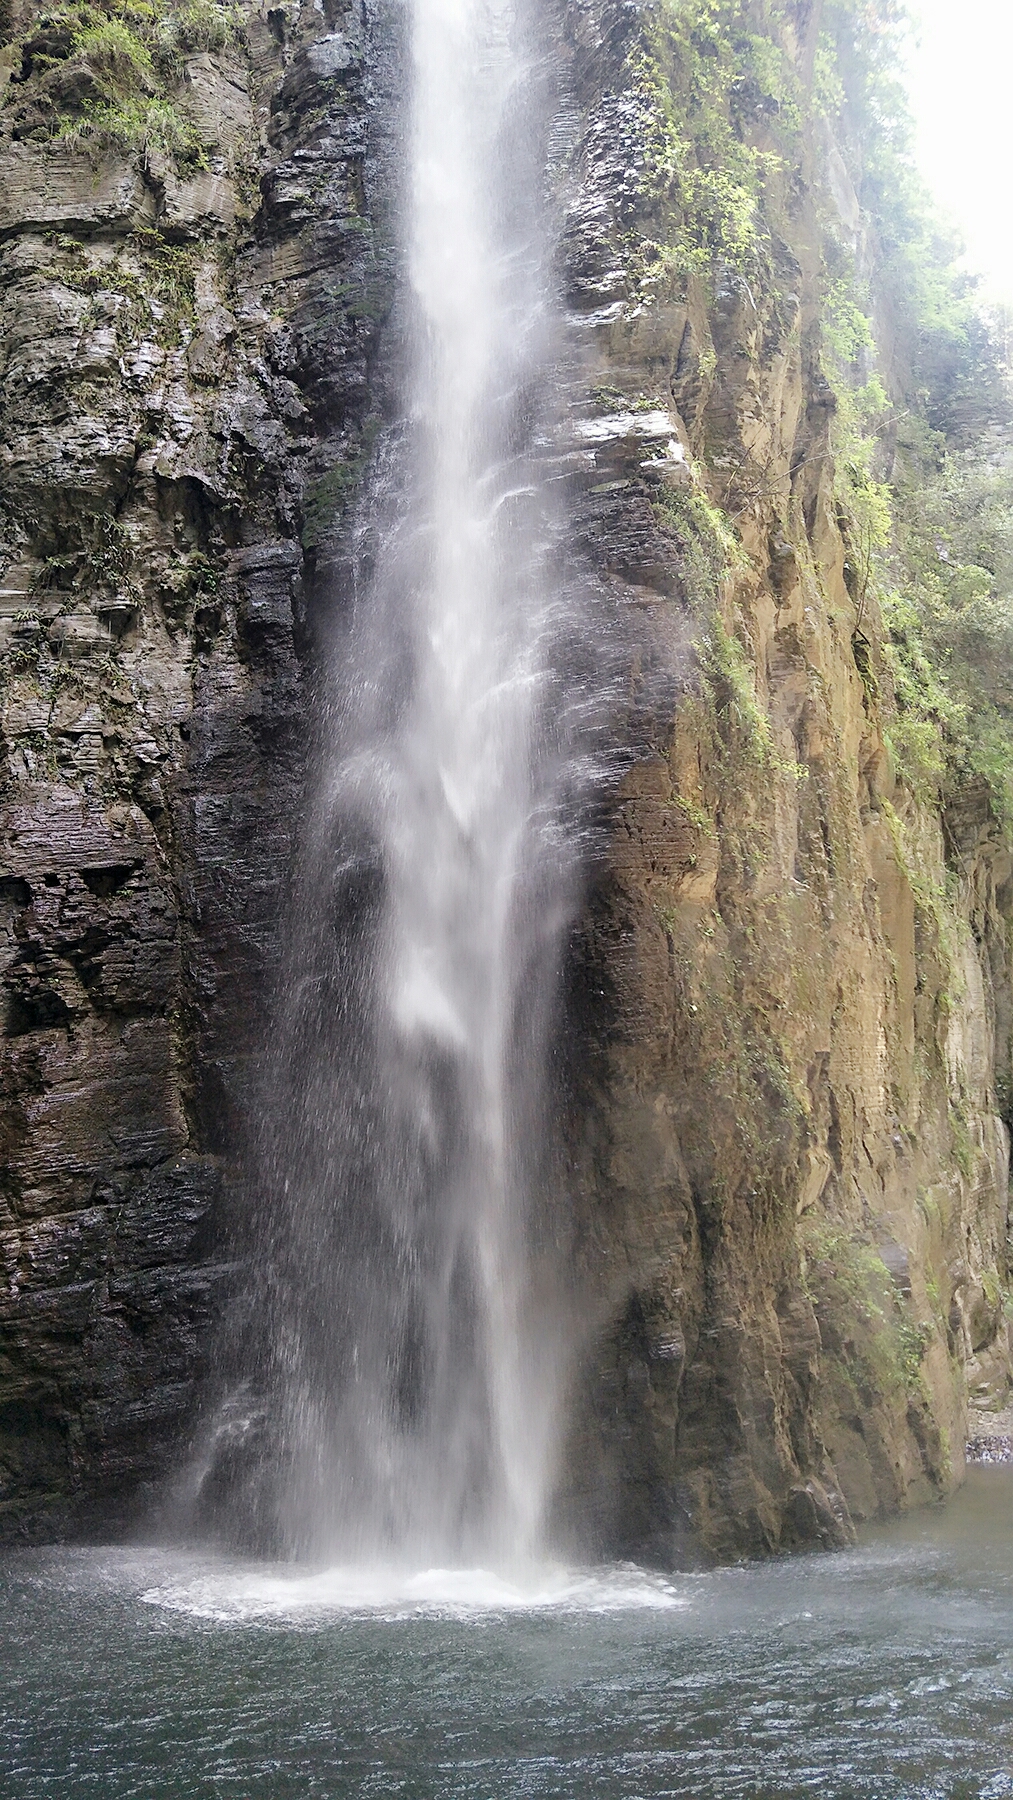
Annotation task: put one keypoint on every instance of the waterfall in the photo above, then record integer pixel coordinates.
(414, 1356)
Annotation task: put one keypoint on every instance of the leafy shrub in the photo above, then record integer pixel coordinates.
(117, 53)
(198, 25)
(951, 618)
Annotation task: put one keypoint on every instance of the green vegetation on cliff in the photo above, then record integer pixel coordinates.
(705, 73)
(922, 437)
(110, 71)
(949, 613)
(919, 370)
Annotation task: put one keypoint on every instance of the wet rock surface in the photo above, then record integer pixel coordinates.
(990, 1437)
(184, 358)
(797, 1256)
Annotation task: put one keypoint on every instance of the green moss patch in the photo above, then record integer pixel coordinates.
(111, 72)
(709, 81)
(865, 1319)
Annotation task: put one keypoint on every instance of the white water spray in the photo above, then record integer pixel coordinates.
(414, 1360)
(461, 820)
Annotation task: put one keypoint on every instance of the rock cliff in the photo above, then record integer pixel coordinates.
(188, 316)
(789, 996)
(787, 1036)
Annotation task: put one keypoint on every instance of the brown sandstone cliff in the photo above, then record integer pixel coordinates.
(792, 984)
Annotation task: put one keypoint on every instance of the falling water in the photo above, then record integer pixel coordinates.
(413, 1370)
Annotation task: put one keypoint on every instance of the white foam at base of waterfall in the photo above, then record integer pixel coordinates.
(235, 1595)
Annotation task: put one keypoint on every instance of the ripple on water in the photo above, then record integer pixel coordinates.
(881, 1673)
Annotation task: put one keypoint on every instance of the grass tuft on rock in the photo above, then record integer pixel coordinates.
(113, 72)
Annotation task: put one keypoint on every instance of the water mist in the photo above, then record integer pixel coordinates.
(414, 1359)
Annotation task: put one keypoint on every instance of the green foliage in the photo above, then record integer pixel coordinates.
(698, 817)
(729, 683)
(191, 591)
(199, 25)
(109, 71)
(963, 1148)
(103, 557)
(769, 79)
(934, 894)
(863, 405)
(734, 720)
(950, 617)
(952, 361)
(923, 475)
(927, 716)
(123, 59)
(703, 76)
(139, 124)
(155, 278)
(705, 540)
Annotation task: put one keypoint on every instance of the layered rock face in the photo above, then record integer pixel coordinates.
(790, 994)
(184, 354)
(788, 999)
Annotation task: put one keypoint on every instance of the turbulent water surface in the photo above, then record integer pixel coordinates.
(883, 1672)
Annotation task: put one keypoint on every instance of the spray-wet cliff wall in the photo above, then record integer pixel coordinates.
(190, 290)
(789, 995)
(785, 1051)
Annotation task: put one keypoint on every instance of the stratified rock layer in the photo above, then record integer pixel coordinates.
(181, 359)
